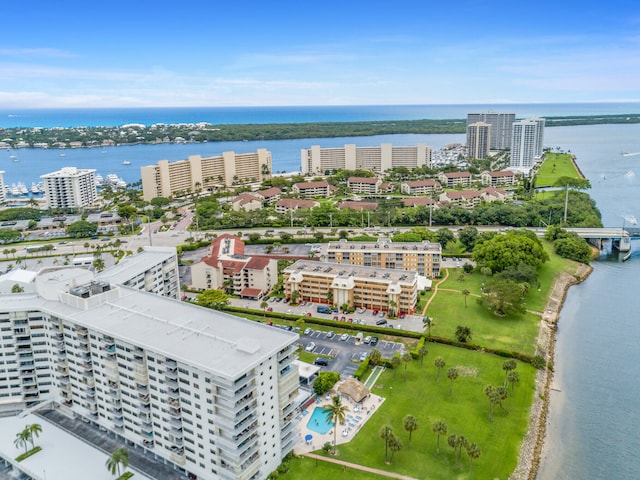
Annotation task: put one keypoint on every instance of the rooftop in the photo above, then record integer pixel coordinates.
(340, 270)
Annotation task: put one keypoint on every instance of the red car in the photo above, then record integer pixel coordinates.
(401, 316)
(374, 313)
(269, 309)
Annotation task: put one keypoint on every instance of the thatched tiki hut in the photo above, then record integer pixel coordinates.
(354, 389)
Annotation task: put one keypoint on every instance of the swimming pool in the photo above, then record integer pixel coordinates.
(318, 421)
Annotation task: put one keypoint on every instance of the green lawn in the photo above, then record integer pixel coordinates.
(466, 413)
(556, 165)
(310, 469)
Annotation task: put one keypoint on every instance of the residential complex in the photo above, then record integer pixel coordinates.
(170, 178)
(501, 130)
(211, 395)
(364, 185)
(420, 187)
(421, 257)
(502, 178)
(455, 179)
(368, 287)
(318, 161)
(226, 265)
(478, 136)
(312, 189)
(70, 187)
(527, 144)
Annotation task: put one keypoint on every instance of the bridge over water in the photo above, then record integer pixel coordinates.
(621, 237)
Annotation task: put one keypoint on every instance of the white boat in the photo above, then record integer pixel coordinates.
(34, 188)
(63, 154)
(23, 188)
(126, 162)
(14, 190)
(98, 180)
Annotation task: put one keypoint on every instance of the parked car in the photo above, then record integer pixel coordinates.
(381, 314)
(344, 337)
(310, 347)
(270, 309)
(374, 341)
(374, 313)
(322, 362)
(330, 334)
(361, 310)
(307, 331)
(364, 356)
(308, 314)
(401, 316)
(382, 321)
(367, 339)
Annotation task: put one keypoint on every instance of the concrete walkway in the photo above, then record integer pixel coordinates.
(355, 466)
(435, 292)
(373, 377)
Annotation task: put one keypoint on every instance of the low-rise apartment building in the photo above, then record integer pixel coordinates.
(358, 206)
(338, 284)
(420, 187)
(504, 178)
(455, 179)
(287, 205)
(247, 202)
(226, 266)
(421, 257)
(364, 185)
(312, 189)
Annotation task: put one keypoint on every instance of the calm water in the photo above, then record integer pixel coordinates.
(594, 423)
(236, 115)
(594, 426)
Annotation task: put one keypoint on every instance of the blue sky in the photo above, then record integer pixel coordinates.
(349, 52)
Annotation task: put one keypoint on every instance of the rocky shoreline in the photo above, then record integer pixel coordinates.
(533, 441)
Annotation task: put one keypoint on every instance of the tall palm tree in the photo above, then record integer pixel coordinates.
(422, 352)
(395, 445)
(410, 425)
(439, 428)
(439, 363)
(263, 306)
(375, 356)
(513, 377)
(406, 359)
(336, 413)
(452, 374)
(508, 366)
(117, 459)
(35, 429)
(466, 293)
(386, 433)
(474, 452)
(395, 363)
(22, 439)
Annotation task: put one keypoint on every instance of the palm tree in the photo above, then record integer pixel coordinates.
(395, 363)
(474, 452)
(452, 374)
(410, 425)
(375, 356)
(22, 439)
(439, 363)
(395, 445)
(117, 459)
(336, 413)
(508, 366)
(406, 359)
(422, 352)
(263, 306)
(386, 433)
(98, 264)
(492, 396)
(35, 429)
(513, 377)
(466, 293)
(439, 428)
(461, 442)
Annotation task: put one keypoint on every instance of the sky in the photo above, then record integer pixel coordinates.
(350, 52)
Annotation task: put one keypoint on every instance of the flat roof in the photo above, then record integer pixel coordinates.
(344, 270)
(207, 339)
(384, 245)
(133, 265)
(62, 456)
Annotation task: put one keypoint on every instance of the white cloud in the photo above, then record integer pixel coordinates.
(36, 52)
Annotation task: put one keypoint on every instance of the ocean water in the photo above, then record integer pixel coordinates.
(240, 115)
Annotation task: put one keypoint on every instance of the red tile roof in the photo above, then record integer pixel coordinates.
(417, 201)
(250, 292)
(294, 203)
(370, 180)
(371, 206)
(257, 263)
(269, 192)
(457, 174)
(305, 185)
(503, 173)
(422, 183)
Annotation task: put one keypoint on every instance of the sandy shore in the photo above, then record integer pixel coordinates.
(531, 448)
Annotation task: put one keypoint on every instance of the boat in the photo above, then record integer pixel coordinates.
(98, 180)
(23, 188)
(63, 154)
(35, 189)
(126, 162)
(14, 190)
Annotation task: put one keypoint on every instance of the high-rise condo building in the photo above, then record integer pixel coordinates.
(317, 161)
(500, 137)
(3, 194)
(211, 395)
(478, 140)
(70, 187)
(170, 178)
(527, 143)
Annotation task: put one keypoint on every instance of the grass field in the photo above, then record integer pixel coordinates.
(466, 412)
(556, 165)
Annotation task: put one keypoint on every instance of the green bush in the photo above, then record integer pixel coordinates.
(26, 455)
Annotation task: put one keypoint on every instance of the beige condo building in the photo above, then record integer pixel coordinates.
(316, 160)
(368, 287)
(167, 179)
(421, 257)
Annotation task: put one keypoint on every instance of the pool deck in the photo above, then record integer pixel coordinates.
(356, 417)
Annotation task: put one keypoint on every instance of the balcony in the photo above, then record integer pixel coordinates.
(171, 375)
(23, 341)
(169, 363)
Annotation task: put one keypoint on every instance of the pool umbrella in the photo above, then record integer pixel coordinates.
(308, 438)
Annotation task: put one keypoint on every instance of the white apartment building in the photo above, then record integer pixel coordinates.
(209, 394)
(501, 127)
(154, 270)
(3, 193)
(70, 187)
(170, 178)
(318, 161)
(478, 136)
(527, 144)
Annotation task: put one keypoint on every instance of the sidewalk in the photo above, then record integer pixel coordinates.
(359, 467)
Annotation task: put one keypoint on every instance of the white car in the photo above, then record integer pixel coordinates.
(364, 356)
(344, 337)
(367, 339)
(310, 347)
